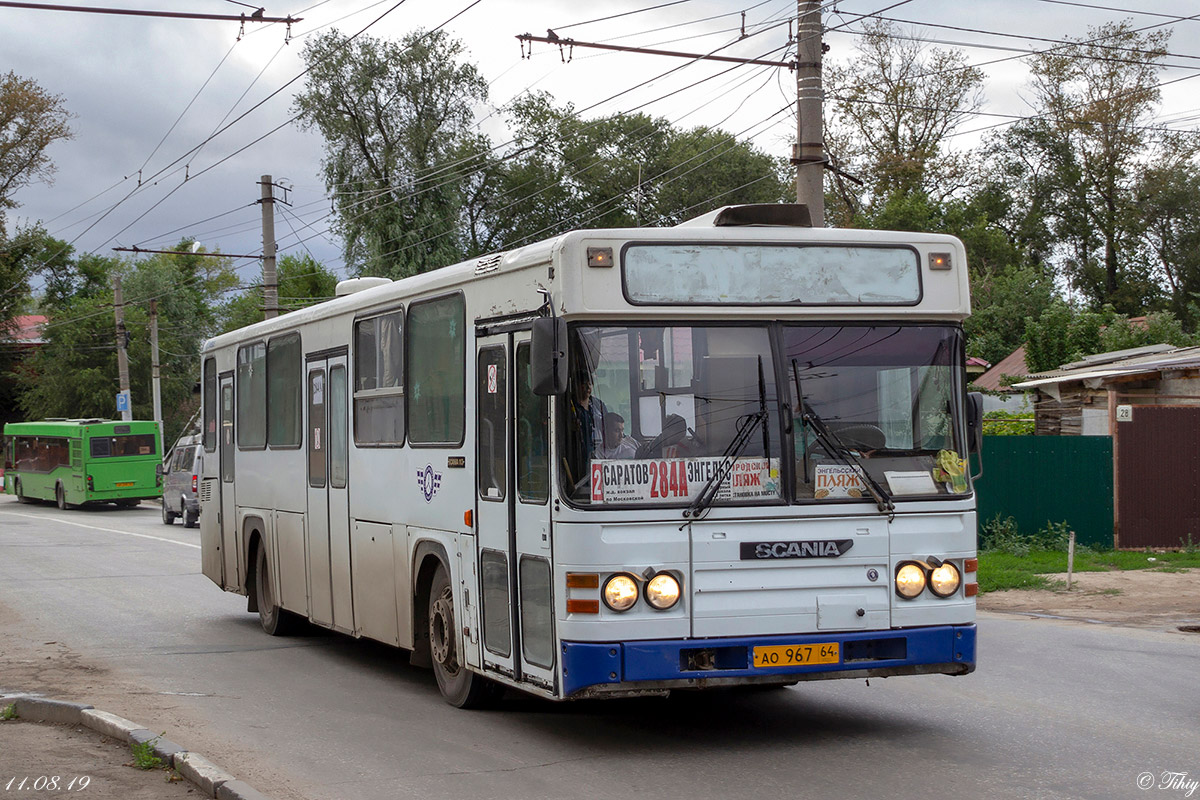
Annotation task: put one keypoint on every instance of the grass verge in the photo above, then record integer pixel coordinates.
(1000, 570)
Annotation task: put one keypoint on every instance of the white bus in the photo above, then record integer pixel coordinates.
(616, 462)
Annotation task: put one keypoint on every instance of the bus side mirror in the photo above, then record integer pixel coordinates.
(548, 356)
(974, 422)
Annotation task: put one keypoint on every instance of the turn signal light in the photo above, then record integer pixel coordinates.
(971, 565)
(971, 589)
(577, 606)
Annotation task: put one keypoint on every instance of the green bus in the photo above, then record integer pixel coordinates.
(78, 461)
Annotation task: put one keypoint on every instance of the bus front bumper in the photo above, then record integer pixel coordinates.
(593, 669)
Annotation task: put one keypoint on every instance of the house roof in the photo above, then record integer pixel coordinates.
(27, 329)
(1095, 370)
(1012, 364)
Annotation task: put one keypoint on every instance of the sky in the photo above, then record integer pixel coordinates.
(148, 94)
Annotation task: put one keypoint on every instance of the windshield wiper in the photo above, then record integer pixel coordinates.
(747, 425)
(839, 450)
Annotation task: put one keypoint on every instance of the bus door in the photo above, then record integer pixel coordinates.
(327, 545)
(513, 514)
(226, 444)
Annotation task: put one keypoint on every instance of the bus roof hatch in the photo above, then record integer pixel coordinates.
(792, 215)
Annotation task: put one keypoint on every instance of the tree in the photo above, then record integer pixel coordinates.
(622, 170)
(302, 282)
(393, 116)
(74, 374)
(1085, 154)
(1063, 334)
(892, 110)
(31, 119)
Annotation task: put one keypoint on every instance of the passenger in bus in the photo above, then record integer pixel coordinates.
(587, 415)
(616, 443)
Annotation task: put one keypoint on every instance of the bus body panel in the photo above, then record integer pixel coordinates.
(408, 503)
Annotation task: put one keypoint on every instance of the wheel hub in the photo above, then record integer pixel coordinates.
(441, 633)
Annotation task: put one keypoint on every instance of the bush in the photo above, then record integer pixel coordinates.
(1001, 534)
(1008, 423)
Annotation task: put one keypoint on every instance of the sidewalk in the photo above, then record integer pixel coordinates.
(55, 748)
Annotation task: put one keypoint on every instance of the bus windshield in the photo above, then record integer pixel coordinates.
(651, 412)
(884, 398)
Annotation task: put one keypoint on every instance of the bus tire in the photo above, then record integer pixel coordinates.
(167, 514)
(20, 492)
(275, 620)
(60, 497)
(459, 686)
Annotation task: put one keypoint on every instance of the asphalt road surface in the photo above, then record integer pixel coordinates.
(109, 607)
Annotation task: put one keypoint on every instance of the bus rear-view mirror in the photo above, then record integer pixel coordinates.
(548, 356)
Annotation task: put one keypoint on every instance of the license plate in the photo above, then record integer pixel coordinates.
(124, 485)
(797, 655)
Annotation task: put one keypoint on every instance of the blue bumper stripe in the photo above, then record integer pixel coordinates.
(591, 663)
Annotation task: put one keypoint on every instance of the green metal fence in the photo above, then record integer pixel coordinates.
(1041, 479)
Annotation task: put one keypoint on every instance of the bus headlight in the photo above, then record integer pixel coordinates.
(910, 580)
(620, 592)
(662, 591)
(944, 580)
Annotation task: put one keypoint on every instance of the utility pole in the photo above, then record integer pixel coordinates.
(154, 366)
(270, 281)
(122, 356)
(808, 154)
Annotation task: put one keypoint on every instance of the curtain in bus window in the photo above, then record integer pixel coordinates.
(379, 380)
(436, 353)
(284, 391)
(252, 395)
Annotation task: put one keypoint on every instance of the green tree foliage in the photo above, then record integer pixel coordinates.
(394, 116)
(623, 170)
(1063, 334)
(891, 110)
(31, 119)
(1082, 161)
(75, 373)
(302, 282)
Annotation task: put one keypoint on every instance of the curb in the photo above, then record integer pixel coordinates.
(214, 781)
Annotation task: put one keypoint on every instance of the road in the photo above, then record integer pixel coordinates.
(109, 607)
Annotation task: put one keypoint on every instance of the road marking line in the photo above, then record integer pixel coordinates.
(96, 528)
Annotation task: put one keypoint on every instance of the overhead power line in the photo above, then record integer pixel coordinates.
(525, 37)
(130, 12)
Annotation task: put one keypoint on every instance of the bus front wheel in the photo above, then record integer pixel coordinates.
(20, 490)
(275, 620)
(459, 686)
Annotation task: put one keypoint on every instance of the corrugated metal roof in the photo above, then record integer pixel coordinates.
(1099, 369)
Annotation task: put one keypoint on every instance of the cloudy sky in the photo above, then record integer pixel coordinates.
(148, 94)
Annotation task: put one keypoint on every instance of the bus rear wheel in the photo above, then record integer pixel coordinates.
(275, 620)
(60, 497)
(459, 686)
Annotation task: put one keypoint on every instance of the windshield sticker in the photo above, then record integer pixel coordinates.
(658, 480)
(835, 481)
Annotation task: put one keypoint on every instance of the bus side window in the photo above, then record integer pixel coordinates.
(210, 404)
(533, 437)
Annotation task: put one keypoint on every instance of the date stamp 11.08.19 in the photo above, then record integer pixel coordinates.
(46, 783)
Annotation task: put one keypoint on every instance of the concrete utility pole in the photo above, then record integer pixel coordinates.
(122, 355)
(809, 152)
(154, 367)
(270, 281)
